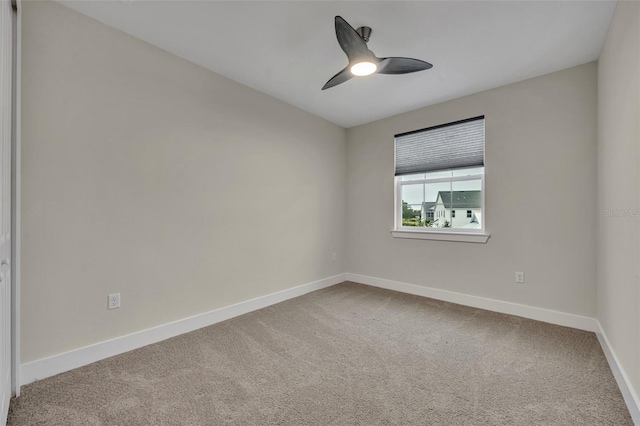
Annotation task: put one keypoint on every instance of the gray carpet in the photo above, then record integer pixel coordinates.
(346, 355)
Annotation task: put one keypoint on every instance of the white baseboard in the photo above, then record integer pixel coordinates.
(4, 411)
(629, 395)
(50, 366)
(539, 314)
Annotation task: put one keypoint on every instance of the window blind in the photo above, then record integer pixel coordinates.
(448, 146)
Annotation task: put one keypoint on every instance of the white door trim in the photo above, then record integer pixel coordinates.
(15, 216)
(7, 88)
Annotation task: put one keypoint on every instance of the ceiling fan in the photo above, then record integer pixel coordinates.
(363, 61)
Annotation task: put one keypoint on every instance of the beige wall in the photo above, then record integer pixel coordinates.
(540, 197)
(619, 187)
(147, 175)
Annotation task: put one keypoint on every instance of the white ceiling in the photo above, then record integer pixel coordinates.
(289, 50)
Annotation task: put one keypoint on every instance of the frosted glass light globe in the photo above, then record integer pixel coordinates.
(363, 68)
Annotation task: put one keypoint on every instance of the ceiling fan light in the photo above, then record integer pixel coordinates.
(363, 68)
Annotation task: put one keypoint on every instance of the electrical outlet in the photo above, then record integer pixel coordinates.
(334, 257)
(114, 301)
(520, 277)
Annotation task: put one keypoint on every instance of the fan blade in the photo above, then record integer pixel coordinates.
(350, 41)
(401, 65)
(339, 78)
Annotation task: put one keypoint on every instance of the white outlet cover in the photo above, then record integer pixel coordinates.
(520, 277)
(114, 301)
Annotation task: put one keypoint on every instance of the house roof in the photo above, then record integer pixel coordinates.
(460, 199)
(427, 205)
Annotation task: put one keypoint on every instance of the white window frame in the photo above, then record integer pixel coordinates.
(439, 234)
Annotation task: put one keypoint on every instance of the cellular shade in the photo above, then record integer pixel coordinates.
(448, 146)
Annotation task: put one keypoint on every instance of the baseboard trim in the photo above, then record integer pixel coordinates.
(59, 363)
(629, 395)
(531, 312)
(4, 411)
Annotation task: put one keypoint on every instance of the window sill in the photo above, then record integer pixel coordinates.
(466, 237)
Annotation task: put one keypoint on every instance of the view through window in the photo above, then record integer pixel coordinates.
(445, 199)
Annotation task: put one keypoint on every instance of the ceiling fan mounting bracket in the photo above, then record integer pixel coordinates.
(365, 33)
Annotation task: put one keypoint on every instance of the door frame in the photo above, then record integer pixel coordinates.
(16, 132)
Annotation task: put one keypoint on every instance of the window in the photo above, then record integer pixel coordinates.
(438, 170)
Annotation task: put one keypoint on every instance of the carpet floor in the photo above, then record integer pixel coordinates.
(346, 355)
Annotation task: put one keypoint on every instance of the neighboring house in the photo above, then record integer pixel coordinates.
(462, 209)
(428, 211)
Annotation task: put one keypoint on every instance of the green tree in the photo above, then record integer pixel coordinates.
(408, 212)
